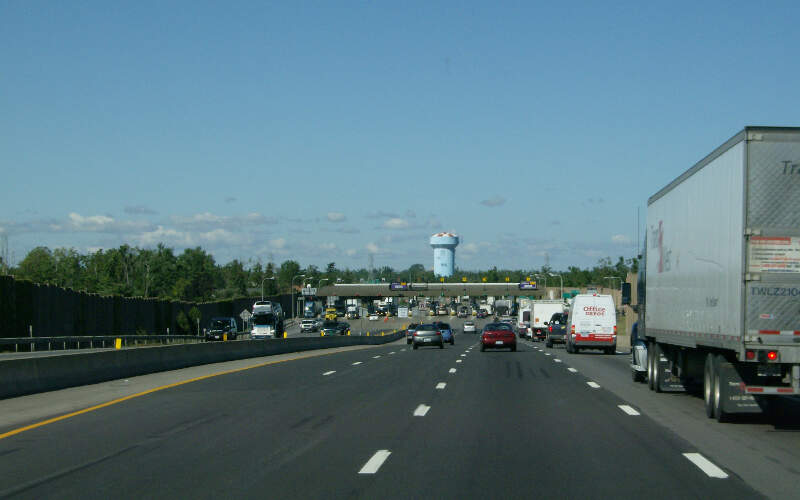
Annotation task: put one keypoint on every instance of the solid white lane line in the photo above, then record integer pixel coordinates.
(441, 385)
(357, 363)
(629, 410)
(374, 463)
(557, 360)
(573, 370)
(421, 410)
(458, 361)
(706, 466)
(452, 370)
(329, 373)
(593, 385)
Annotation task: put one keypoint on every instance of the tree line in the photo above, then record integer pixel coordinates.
(193, 275)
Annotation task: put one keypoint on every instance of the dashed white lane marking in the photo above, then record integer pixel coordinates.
(547, 354)
(375, 357)
(357, 363)
(463, 355)
(329, 373)
(421, 410)
(452, 370)
(593, 385)
(374, 463)
(557, 360)
(573, 370)
(391, 353)
(458, 361)
(706, 466)
(441, 385)
(629, 410)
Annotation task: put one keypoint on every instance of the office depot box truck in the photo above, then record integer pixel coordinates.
(719, 293)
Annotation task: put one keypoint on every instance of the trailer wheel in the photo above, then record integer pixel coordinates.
(720, 390)
(708, 385)
(650, 352)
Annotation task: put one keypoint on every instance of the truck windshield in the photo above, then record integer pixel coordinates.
(263, 319)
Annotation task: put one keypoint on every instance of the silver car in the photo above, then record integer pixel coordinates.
(427, 335)
(469, 327)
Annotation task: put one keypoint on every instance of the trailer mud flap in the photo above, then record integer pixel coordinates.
(668, 382)
(733, 399)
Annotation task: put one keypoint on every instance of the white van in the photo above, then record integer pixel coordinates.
(592, 323)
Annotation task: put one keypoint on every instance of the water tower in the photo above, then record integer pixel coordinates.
(444, 253)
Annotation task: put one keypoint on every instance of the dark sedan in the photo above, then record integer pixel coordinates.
(556, 329)
(330, 328)
(498, 336)
(428, 334)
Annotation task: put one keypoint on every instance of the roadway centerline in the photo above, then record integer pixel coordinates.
(628, 409)
(374, 463)
(706, 465)
(329, 373)
(421, 410)
(593, 385)
(441, 385)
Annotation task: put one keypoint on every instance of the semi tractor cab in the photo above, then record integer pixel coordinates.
(267, 320)
(719, 289)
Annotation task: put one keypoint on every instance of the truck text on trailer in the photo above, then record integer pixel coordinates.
(719, 289)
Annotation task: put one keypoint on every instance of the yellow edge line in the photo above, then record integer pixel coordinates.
(144, 393)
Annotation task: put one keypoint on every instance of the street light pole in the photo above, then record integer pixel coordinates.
(545, 280)
(262, 286)
(292, 286)
(561, 283)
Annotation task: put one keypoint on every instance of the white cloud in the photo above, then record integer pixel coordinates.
(350, 252)
(396, 223)
(620, 239)
(372, 248)
(494, 201)
(336, 217)
(93, 220)
(164, 235)
(278, 243)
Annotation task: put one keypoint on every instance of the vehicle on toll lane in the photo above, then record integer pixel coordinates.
(592, 323)
(309, 325)
(428, 334)
(221, 328)
(331, 328)
(410, 332)
(469, 327)
(267, 320)
(498, 336)
(447, 333)
(556, 329)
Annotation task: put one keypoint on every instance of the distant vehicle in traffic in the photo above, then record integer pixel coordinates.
(498, 336)
(308, 325)
(482, 313)
(331, 314)
(410, 332)
(330, 328)
(541, 312)
(222, 328)
(267, 320)
(469, 327)
(427, 335)
(556, 329)
(592, 324)
(463, 312)
(373, 316)
(447, 333)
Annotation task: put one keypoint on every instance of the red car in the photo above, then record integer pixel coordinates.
(498, 336)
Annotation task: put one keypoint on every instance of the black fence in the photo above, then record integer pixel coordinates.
(51, 311)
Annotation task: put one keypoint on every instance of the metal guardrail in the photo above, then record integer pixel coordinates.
(90, 342)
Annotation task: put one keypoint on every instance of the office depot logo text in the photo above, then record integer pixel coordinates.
(594, 311)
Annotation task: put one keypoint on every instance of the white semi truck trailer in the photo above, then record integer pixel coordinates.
(719, 293)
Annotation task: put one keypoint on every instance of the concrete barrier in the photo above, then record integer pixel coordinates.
(32, 375)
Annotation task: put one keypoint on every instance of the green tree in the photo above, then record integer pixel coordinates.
(195, 316)
(38, 266)
(183, 321)
(199, 269)
(287, 271)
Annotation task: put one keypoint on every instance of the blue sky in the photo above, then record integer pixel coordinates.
(326, 131)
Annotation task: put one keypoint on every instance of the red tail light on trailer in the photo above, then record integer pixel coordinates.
(772, 355)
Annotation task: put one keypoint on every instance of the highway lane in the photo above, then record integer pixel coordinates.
(502, 425)
(762, 449)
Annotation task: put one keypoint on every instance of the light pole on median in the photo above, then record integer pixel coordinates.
(545, 280)
(561, 283)
(262, 286)
(292, 285)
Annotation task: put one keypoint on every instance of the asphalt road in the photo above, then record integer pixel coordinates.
(378, 422)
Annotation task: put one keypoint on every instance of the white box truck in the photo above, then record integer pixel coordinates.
(541, 312)
(719, 292)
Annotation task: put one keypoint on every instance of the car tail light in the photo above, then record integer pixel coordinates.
(415, 334)
(772, 355)
(551, 328)
(750, 355)
(615, 329)
(572, 330)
